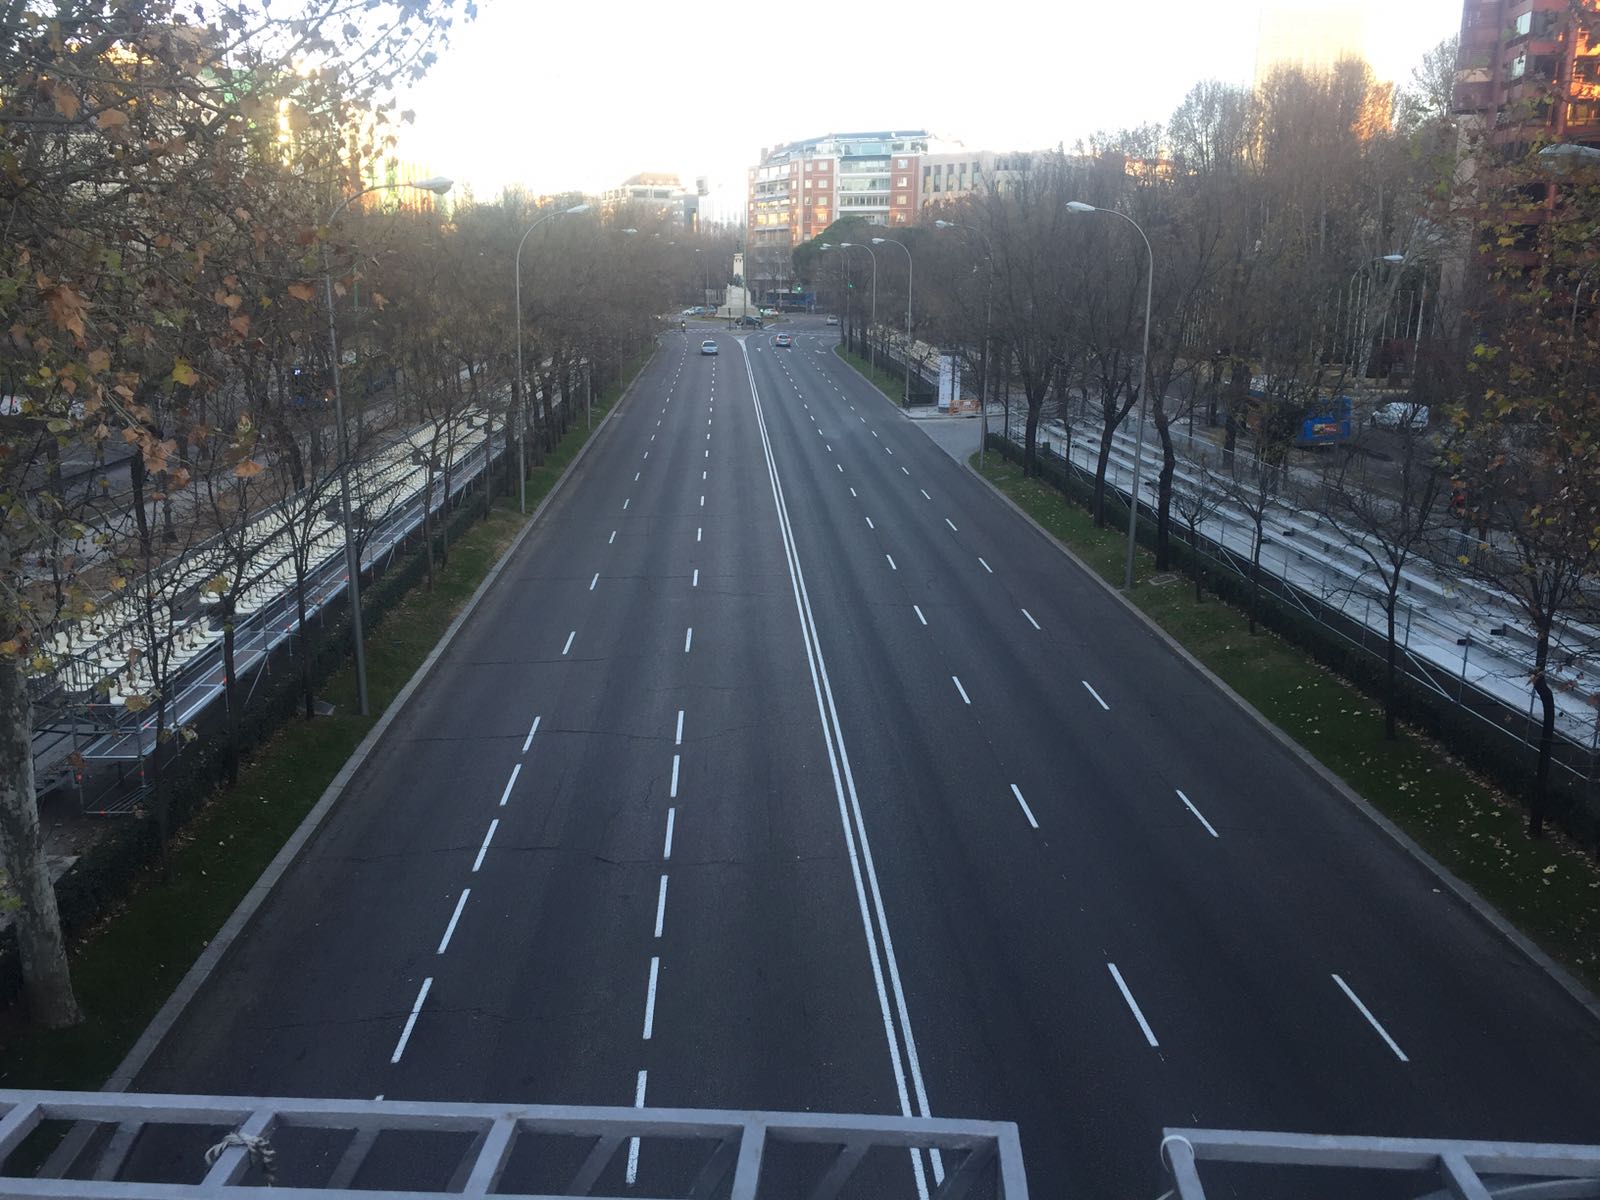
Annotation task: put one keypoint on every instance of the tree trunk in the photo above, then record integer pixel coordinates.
(1102, 460)
(427, 516)
(1391, 657)
(1030, 441)
(230, 687)
(1547, 733)
(136, 478)
(303, 632)
(1199, 568)
(1255, 579)
(1169, 466)
(46, 979)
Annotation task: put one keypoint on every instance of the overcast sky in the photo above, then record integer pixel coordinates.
(580, 95)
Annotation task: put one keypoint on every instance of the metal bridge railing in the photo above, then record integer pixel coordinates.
(220, 1147)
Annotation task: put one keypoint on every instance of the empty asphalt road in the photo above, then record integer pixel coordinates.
(785, 767)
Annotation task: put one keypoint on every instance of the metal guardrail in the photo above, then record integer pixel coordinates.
(1435, 1169)
(237, 1146)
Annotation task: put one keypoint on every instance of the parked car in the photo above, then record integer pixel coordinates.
(690, 312)
(750, 322)
(1399, 414)
(784, 340)
(708, 347)
(832, 320)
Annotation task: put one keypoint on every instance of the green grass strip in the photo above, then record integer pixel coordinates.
(125, 969)
(1549, 889)
(891, 384)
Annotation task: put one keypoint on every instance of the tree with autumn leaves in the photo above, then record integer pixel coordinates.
(157, 179)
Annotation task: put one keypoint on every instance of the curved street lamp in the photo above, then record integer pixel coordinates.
(1078, 206)
(879, 241)
(438, 185)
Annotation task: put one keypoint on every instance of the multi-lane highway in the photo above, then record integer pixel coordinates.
(785, 767)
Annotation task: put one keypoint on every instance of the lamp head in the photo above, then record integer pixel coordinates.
(438, 185)
(1394, 259)
(576, 209)
(878, 241)
(630, 231)
(941, 223)
(1078, 206)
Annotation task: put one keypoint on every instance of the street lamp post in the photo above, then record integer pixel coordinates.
(519, 388)
(878, 241)
(1364, 355)
(1079, 206)
(872, 316)
(352, 553)
(988, 321)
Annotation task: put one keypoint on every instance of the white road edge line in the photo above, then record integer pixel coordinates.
(411, 1021)
(851, 819)
(1134, 1005)
(1026, 811)
(511, 783)
(1371, 1020)
(1096, 695)
(450, 929)
(1187, 803)
(484, 849)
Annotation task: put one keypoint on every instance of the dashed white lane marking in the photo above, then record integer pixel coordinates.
(1026, 811)
(678, 740)
(661, 905)
(699, 529)
(870, 525)
(702, 500)
(484, 849)
(568, 646)
(830, 449)
(449, 930)
(892, 567)
(1199, 816)
(703, 476)
(1371, 1020)
(512, 782)
(965, 699)
(666, 849)
(853, 492)
(887, 450)
(903, 471)
(1133, 1004)
(952, 525)
(627, 502)
(986, 566)
(695, 582)
(647, 454)
(708, 454)
(924, 492)
(1031, 621)
(594, 581)
(841, 468)
(612, 538)
(673, 794)
(918, 611)
(411, 1021)
(528, 741)
(633, 1143)
(1096, 695)
(650, 998)
(636, 475)
(688, 638)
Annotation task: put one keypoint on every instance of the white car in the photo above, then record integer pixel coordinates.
(833, 320)
(708, 347)
(1399, 414)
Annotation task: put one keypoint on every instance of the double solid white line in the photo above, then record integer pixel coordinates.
(874, 919)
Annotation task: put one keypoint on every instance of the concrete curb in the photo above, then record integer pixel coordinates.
(1463, 891)
(217, 949)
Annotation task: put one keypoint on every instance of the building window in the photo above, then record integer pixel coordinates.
(900, 200)
(901, 164)
(901, 181)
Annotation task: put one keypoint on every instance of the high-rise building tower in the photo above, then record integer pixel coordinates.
(1309, 34)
